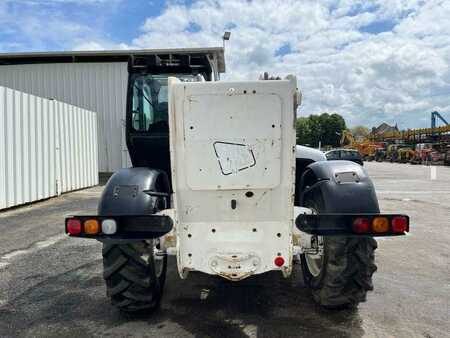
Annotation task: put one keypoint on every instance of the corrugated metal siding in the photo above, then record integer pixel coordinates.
(99, 87)
(46, 148)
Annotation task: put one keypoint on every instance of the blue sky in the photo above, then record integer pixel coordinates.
(387, 60)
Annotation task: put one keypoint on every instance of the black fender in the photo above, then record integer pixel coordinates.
(344, 186)
(135, 191)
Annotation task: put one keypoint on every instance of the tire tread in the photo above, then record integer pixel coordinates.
(348, 268)
(130, 280)
(348, 276)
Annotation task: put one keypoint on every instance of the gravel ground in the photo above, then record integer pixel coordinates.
(52, 286)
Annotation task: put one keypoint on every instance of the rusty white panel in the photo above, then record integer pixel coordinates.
(98, 87)
(46, 148)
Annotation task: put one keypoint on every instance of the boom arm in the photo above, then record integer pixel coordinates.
(435, 115)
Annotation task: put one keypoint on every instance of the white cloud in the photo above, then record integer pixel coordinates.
(89, 45)
(396, 76)
(399, 75)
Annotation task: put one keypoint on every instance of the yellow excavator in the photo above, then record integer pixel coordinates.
(366, 148)
(347, 140)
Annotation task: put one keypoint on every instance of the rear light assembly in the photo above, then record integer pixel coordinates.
(90, 226)
(353, 224)
(119, 226)
(382, 225)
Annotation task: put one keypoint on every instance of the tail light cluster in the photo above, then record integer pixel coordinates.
(90, 226)
(353, 224)
(386, 224)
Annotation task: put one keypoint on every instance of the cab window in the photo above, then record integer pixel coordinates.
(149, 103)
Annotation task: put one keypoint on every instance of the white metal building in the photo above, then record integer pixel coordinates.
(46, 148)
(96, 81)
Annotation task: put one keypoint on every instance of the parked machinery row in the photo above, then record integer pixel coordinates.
(420, 153)
(416, 146)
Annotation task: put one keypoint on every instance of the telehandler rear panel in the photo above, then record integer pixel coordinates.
(233, 166)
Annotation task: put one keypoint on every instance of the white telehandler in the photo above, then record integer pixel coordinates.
(218, 181)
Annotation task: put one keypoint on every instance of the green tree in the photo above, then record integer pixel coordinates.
(325, 128)
(303, 131)
(315, 124)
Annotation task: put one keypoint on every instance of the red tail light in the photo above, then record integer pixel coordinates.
(399, 224)
(360, 225)
(74, 226)
(279, 261)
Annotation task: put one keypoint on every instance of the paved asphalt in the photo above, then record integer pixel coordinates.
(52, 286)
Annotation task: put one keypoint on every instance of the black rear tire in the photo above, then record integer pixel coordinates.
(346, 271)
(132, 282)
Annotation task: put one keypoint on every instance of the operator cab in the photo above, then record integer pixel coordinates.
(147, 126)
